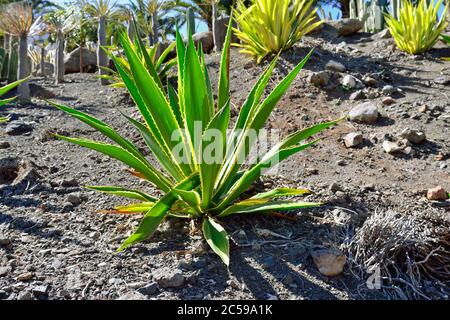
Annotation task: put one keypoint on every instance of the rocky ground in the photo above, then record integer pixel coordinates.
(53, 244)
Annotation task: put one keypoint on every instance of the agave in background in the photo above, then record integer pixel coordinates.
(194, 187)
(161, 65)
(271, 26)
(418, 28)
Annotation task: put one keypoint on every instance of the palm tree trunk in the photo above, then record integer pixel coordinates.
(130, 30)
(101, 54)
(42, 67)
(345, 8)
(6, 42)
(155, 27)
(59, 65)
(215, 31)
(23, 91)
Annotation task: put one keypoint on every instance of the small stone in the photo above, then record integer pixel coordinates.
(369, 81)
(40, 290)
(25, 295)
(148, 289)
(74, 198)
(4, 241)
(387, 101)
(132, 295)
(69, 183)
(388, 89)
(233, 283)
(413, 136)
(168, 277)
(423, 109)
(335, 66)
(391, 147)
(349, 81)
(442, 80)
(353, 139)
(437, 193)
(364, 112)
(4, 144)
(330, 262)
(56, 264)
(242, 235)
(17, 127)
(357, 95)
(319, 79)
(27, 276)
(4, 271)
(439, 157)
(334, 187)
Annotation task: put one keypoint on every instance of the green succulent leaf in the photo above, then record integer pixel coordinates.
(158, 212)
(217, 238)
(123, 192)
(262, 205)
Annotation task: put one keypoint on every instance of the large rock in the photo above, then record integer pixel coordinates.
(49, 70)
(222, 26)
(72, 61)
(206, 38)
(365, 112)
(346, 27)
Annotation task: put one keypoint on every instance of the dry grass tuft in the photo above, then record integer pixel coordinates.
(411, 250)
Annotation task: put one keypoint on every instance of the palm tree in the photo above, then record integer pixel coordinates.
(16, 19)
(60, 22)
(101, 10)
(150, 14)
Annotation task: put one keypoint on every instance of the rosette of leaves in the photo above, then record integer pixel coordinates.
(193, 186)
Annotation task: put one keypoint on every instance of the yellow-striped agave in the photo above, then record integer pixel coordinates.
(161, 63)
(418, 27)
(271, 26)
(179, 127)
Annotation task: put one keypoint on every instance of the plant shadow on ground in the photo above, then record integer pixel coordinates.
(273, 267)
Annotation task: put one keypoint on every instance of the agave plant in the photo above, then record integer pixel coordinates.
(271, 26)
(160, 65)
(418, 28)
(6, 89)
(177, 128)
